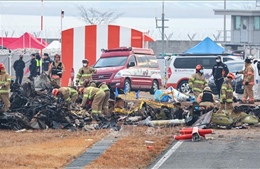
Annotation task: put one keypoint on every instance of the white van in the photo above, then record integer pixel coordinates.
(182, 67)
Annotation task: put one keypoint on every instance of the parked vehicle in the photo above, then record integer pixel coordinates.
(129, 68)
(182, 67)
(237, 83)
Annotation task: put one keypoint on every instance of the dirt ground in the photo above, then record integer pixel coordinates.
(138, 147)
(43, 149)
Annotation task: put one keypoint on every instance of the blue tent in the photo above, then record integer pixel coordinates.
(207, 46)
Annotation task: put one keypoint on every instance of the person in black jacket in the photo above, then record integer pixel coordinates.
(33, 67)
(19, 66)
(219, 71)
(46, 62)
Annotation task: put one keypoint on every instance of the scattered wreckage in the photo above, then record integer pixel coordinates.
(34, 107)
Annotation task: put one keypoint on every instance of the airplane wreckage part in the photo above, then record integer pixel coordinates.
(34, 107)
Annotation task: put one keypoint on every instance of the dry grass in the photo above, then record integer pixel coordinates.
(43, 149)
(131, 151)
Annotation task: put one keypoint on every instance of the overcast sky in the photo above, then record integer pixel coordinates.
(175, 9)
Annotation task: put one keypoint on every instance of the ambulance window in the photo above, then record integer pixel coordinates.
(152, 61)
(142, 61)
(132, 59)
(185, 63)
(207, 63)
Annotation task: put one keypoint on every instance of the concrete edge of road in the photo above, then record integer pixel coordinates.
(165, 155)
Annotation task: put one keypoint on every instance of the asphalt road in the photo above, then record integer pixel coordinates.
(220, 153)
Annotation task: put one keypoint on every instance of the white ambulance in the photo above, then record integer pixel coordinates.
(182, 67)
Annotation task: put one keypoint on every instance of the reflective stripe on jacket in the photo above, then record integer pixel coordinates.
(197, 82)
(226, 92)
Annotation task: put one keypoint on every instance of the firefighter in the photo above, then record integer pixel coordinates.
(97, 95)
(256, 77)
(219, 72)
(105, 88)
(84, 73)
(56, 69)
(248, 81)
(226, 94)
(197, 81)
(69, 95)
(5, 81)
(206, 98)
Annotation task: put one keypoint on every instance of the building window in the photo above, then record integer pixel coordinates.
(257, 22)
(237, 22)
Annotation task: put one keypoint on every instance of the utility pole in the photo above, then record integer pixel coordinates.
(225, 31)
(163, 27)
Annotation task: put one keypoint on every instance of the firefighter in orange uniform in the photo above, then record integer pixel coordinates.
(5, 81)
(248, 82)
(56, 69)
(97, 95)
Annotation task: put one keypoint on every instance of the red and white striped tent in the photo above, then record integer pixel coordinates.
(87, 41)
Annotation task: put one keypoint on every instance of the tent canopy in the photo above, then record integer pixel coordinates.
(27, 40)
(207, 46)
(54, 45)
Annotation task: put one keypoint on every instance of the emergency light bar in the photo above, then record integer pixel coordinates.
(117, 49)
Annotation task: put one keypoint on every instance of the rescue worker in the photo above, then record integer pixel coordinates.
(97, 95)
(226, 95)
(33, 67)
(206, 98)
(5, 81)
(46, 62)
(84, 73)
(197, 81)
(69, 95)
(248, 82)
(56, 69)
(256, 78)
(19, 66)
(105, 88)
(219, 72)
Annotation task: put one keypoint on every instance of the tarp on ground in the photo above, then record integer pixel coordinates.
(27, 40)
(207, 46)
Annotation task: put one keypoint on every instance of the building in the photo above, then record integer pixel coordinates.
(245, 30)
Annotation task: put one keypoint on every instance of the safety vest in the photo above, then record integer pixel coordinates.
(57, 69)
(207, 97)
(38, 63)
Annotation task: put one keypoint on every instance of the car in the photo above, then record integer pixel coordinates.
(182, 67)
(237, 83)
(128, 68)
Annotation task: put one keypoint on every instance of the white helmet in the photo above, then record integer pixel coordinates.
(250, 57)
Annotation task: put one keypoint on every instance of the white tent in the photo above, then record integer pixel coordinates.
(53, 48)
(54, 45)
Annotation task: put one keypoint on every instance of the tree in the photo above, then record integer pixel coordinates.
(92, 16)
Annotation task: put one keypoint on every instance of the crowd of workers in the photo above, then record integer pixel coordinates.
(223, 81)
(96, 94)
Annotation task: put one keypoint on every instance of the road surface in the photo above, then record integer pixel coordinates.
(229, 149)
